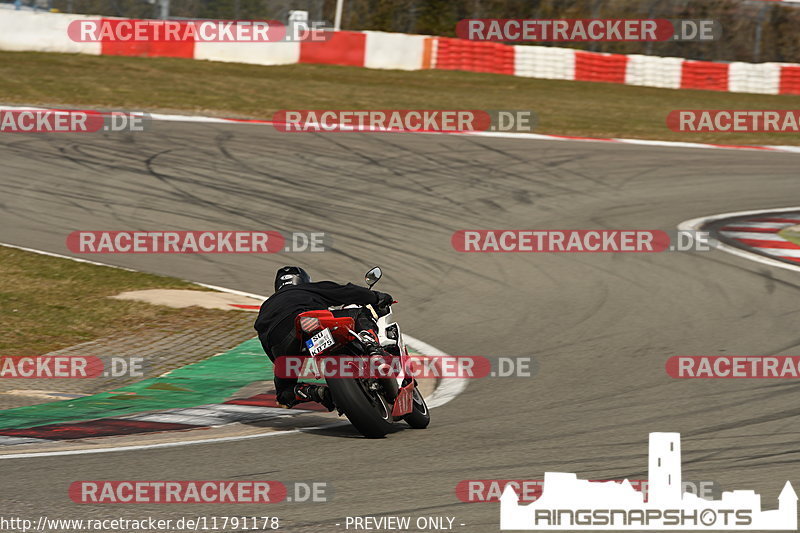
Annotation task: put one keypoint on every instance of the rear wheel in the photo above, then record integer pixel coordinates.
(366, 409)
(419, 417)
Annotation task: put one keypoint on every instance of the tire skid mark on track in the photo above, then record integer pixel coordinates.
(530, 136)
(498, 428)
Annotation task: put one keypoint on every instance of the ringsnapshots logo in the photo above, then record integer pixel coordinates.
(570, 503)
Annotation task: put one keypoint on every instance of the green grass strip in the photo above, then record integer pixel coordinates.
(791, 235)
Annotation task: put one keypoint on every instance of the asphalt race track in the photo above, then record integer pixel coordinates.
(600, 326)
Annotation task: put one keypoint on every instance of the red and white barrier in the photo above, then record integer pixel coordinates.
(47, 32)
(648, 71)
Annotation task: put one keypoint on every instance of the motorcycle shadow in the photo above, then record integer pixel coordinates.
(323, 425)
(345, 430)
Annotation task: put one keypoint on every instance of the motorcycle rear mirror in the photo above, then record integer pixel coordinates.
(373, 276)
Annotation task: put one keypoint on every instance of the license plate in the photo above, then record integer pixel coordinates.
(319, 342)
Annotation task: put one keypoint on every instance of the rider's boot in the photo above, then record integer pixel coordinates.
(309, 392)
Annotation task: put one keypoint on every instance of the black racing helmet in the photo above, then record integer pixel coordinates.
(290, 275)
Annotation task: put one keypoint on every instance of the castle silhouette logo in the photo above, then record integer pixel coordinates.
(571, 503)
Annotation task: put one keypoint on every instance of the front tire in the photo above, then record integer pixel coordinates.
(367, 411)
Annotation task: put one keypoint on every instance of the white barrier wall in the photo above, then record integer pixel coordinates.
(763, 78)
(544, 62)
(393, 50)
(252, 53)
(41, 32)
(650, 71)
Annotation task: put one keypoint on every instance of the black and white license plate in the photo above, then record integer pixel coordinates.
(320, 342)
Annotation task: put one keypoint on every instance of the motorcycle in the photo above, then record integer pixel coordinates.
(371, 401)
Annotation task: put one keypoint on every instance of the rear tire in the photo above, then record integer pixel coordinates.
(420, 416)
(372, 418)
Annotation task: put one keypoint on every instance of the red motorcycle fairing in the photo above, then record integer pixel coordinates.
(317, 320)
(404, 403)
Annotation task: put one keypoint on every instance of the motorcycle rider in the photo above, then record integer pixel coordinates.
(295, 293)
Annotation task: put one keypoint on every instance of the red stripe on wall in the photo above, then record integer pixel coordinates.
(108, 47)
(343, 48)
(790, 80)
(704, 75)
(460, 54)
(592, 66)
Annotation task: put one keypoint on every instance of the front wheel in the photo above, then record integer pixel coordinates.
(419, 417)
(366, 409)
